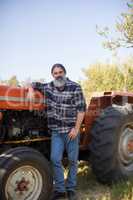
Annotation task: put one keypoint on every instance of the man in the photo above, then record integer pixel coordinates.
(65, 111)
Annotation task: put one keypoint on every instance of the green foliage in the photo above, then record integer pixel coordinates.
(122, 190)
(90, 189)
(101, 77)
(127, 70)
(124, 27)
(13, 81)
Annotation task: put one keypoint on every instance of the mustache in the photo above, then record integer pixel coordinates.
(60, 81)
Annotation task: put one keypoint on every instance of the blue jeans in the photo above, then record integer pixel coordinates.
(59, 143)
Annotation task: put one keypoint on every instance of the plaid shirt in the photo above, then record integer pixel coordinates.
(62, 106)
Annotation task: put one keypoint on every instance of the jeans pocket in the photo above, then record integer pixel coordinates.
(55, 134)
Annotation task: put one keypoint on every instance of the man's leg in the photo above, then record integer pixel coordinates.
(57, 149)
(72, 148)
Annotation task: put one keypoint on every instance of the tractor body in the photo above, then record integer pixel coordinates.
(106, 140)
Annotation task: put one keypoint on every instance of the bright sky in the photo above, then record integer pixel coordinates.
(35, 34)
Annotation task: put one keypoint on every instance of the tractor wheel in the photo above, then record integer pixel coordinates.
(24, 174)
(111, 147)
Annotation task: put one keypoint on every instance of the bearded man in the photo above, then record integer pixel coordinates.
(65, 112)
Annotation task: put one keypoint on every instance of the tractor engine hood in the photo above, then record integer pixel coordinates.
(15, 98)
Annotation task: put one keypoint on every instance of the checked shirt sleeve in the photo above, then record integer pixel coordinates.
(38, 86)
(79, 99)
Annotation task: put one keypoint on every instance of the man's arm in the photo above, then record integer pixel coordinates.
(35, 86)
(30, 94)
(80, 117)
(38, 86)
(81, 107)
(74, 131)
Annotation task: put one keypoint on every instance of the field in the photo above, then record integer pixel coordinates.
(90, 189)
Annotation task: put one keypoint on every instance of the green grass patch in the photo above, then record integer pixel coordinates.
(122, 190)
(90, 189)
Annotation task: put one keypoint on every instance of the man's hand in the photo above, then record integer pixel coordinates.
(30, 94)
(73, 133)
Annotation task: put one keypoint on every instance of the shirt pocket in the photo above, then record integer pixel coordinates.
(68, 100)
(70, 113)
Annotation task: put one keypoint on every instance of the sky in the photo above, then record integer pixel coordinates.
(35, 34)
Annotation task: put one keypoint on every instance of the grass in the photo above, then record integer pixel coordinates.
(89, 189)
(123, 190)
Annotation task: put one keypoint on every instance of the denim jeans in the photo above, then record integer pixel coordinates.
(59, 143)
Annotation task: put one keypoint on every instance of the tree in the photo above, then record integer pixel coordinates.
(13, 81)
(124, 27)
(127, 70)
(101, 77)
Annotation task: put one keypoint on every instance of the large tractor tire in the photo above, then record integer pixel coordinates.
(111, 147)
(24, 174)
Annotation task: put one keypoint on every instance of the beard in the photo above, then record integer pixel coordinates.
(60, 81)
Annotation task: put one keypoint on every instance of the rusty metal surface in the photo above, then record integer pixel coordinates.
(15, 98)
(97, 104)
(25, 141)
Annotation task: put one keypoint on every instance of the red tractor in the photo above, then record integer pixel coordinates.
(106, 142)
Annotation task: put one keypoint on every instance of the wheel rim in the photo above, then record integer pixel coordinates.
(126, 148)
(24, 183)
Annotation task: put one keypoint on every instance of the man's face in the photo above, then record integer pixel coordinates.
(58, 72)
(59, 78)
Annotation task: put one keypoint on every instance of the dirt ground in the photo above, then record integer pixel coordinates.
(87, 186)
